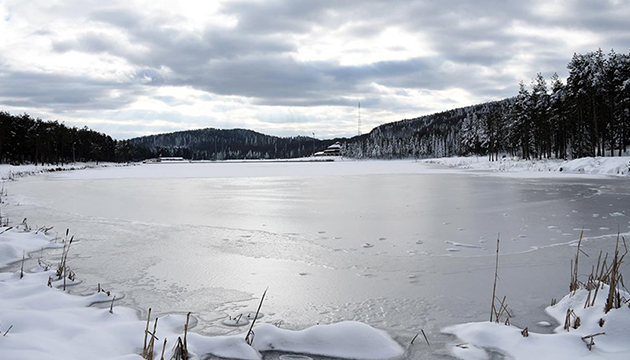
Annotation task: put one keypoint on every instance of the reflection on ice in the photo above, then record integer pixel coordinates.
(399, 250)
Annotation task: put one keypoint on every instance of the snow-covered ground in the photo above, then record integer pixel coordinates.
(618, 166)
(13, 172)
(609, 332)
(512, 166)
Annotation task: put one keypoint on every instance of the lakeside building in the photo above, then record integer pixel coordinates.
(332, 150)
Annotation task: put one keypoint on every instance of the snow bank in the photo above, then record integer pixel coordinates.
(17, 242)
(349, 339)
(619, 166)
(43, 322)
(598, 165)
(11, 172)
(482, 338)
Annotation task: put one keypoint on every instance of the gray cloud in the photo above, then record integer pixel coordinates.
(91, 42)
(470, 46)
(61, 92)
(252, 59)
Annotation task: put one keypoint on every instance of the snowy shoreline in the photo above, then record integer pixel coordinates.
(14, 172)
(507, 166)
(612, 166)
(25, 302)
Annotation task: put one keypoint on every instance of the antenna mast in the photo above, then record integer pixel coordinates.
(359, 122)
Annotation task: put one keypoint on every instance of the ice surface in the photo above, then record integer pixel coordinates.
(208, 238)
(42, 322)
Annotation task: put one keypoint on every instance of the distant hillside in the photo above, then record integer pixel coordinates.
(435, 135)
(588, 115)
(217, 144)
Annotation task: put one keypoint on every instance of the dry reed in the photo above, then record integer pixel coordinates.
(249, 338)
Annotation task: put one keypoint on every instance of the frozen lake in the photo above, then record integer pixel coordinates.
(399, 245)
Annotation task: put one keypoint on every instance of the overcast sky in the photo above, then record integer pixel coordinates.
(283, 67)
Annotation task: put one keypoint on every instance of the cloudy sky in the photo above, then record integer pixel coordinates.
(283, 67)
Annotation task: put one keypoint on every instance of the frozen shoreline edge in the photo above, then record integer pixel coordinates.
(610, 166)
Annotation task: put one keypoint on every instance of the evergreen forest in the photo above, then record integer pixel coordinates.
(588, 115)
(25, 140)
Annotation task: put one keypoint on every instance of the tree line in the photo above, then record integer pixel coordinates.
(24, 139)
(589, 115)
(586, 115)
(219, 144)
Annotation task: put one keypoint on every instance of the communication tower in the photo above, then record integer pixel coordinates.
(359, 121)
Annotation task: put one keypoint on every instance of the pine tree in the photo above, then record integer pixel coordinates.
(539, 110)
(558, 117)
(520, 131)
